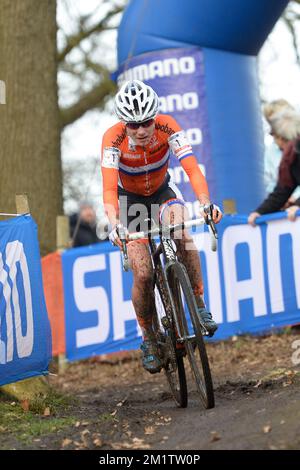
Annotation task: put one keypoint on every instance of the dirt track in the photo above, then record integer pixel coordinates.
(120, 406)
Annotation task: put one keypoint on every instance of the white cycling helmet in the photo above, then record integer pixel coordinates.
(136, 102)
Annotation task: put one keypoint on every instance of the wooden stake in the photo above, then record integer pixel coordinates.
(22, 204)
(62, 233)
(62, 243)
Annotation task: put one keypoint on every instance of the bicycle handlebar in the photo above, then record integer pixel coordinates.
(167, 230)
(172, 228)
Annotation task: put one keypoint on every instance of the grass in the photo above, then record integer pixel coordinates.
(23, 426)
(107, 417)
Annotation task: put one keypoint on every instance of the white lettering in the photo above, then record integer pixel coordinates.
(156, 69)
(274, 230)
(187, 64)
(177, 102)
(179, 176)
(171, 66)
(159, 68)
(190, 100)
(194, 135)
(122, 309)
(6, 353)
(17, 266)
(91, 299)
(15, 254)
(193, 208)
(244, 289)
(296, 354)
(202, 242)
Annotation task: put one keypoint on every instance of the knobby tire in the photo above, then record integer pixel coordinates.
(183, 295)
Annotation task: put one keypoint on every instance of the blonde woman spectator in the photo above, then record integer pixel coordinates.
(275, 107)
(273, 153)
(285, 128)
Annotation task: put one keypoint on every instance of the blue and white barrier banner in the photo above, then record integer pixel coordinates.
(177, 75)
(252, 284)
(25, 335)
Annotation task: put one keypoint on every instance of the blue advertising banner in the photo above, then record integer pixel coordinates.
(177, 76)
(252, 284)
(25, 335)
(99, 314)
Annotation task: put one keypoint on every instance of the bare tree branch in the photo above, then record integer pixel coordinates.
(95, 67)
(95, 98)
(75, 40)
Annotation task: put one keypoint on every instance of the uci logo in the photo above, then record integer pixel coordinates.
(2, 92)
(16, 292)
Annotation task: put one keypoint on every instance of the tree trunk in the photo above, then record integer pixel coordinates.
(29, 121)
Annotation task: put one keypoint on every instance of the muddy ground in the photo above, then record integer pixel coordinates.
(112, 403)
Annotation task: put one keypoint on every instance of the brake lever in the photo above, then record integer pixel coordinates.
(122, 237)
(213, 228)
(209, 220)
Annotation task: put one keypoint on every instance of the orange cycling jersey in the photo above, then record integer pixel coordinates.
(142, 170)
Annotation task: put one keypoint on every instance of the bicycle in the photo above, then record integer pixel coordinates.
(175, 303)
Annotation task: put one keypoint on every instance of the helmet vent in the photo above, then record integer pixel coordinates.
(136, 102)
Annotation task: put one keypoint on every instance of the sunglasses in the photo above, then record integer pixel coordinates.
(136, 125)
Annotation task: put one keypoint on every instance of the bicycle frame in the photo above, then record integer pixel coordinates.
(171, 324)
(165, 246)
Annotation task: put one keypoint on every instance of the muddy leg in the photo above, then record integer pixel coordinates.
(142, 290)
(186, 249)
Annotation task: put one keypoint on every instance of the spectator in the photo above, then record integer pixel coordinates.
(83, 226)
(285, 128)
(274, 107)
(273, 153)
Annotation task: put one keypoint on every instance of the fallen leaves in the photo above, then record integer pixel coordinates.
(290, 374)
(47, 411)
(98, 442)
(25, 404)
(87, 441)
(85, 438)
(118, 406)
(66, 442)
(135, 443)
(214, 436)
(121, 403)
(163, 421)
(149, 430)
(267, 429)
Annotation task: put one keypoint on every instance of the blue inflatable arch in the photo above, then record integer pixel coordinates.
(229, 34)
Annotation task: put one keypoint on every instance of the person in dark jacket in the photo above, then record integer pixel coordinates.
(285, 128)
(83, 226)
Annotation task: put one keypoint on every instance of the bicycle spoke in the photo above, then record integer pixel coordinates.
(191, 331)
(173, 362)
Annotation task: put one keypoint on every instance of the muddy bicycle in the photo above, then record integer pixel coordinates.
(179, 330)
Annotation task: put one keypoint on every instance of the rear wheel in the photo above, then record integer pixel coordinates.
(172, 358)
(191, 330)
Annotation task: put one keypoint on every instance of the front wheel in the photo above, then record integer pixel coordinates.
(173, 361)
(189, 323)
